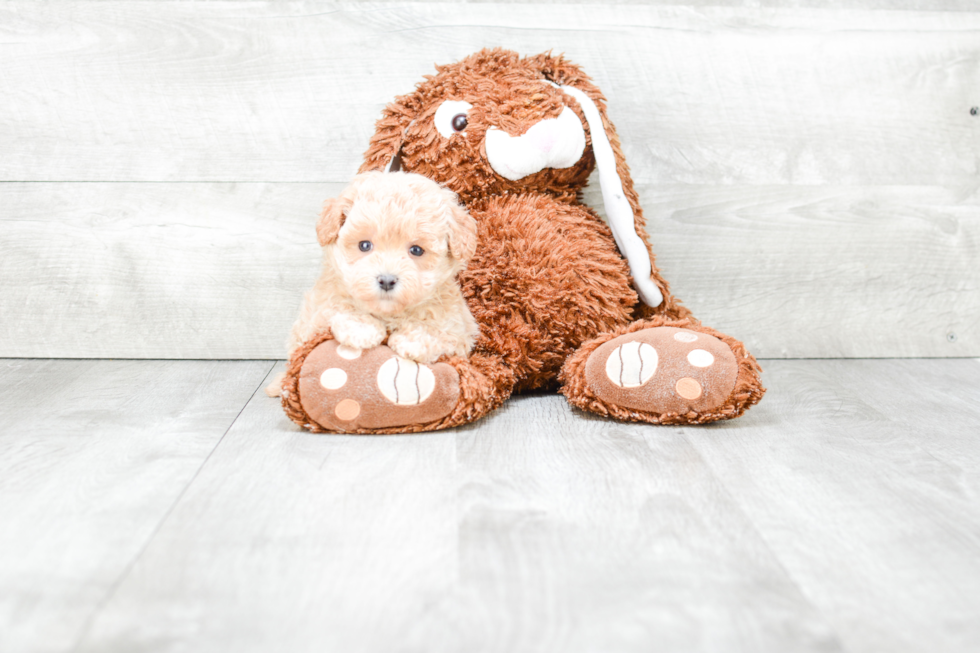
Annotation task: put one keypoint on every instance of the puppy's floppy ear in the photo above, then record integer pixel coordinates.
(332, 219)
(462, 230)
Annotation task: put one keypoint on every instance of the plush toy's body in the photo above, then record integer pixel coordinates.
(560, 297)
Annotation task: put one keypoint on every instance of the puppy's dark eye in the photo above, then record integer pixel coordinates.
(365, 245)
(415, 250)
(459, 122)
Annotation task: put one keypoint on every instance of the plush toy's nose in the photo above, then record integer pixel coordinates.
(387, 281)
(552, 143)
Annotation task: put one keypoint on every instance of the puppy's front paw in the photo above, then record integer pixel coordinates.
(357, 333)
(417, 347)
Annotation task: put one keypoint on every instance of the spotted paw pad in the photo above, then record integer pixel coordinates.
(347, 389)
(663, 370)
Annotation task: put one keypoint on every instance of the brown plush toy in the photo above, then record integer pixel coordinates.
(562, 299)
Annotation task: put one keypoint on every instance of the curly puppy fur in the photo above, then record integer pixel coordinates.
(393, 246)
(547, 283)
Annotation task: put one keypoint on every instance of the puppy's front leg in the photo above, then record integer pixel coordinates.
(357, 331)
(423, 345)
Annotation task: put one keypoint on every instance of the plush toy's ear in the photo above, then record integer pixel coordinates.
(462, 231)
(623, 210)
(385, 147)
(332, 219)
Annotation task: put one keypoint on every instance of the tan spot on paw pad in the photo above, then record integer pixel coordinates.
(347, 410)
(688, 388)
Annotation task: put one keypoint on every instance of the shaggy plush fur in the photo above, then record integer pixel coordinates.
(547, 283)
(507, 92)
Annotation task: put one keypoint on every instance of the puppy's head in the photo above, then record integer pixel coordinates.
(396, 238)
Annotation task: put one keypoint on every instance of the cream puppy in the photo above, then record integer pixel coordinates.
(393, 244)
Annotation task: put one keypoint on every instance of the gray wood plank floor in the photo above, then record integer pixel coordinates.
(169, 505)
(93, 456)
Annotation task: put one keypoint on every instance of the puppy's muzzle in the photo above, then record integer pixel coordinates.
(387, 282)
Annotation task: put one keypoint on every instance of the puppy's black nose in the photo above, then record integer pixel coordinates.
(387, 281)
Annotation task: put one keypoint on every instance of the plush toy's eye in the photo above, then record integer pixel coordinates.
(415, 250)
(365, 245)
(451, 117)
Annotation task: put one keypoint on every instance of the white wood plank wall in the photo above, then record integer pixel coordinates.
(810, 171)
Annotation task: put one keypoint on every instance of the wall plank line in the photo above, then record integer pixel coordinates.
(217, 270)
(810, 174)
(256, 91)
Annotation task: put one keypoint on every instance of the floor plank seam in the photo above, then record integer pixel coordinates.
(776, 559)
(139, 554)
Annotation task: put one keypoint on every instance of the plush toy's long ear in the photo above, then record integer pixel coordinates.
(385, 147)
(623, 210)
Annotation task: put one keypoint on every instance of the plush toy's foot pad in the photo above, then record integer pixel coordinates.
(663, 370)
(345, 389)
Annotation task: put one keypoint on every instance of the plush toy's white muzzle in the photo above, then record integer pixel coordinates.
(552, 143)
